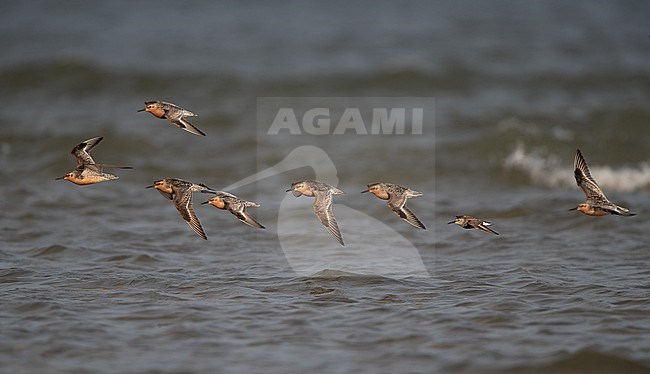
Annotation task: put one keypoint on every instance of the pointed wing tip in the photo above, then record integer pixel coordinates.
(578, 155)
(253, 223)
(247, 219)
(196, 226)
(407, 215)
(577, 158)
(187, 126)
(199, 230)
(339, 239)
(194, 130)
(337, 236)
(488, 230)
(333, 228)
(199, 133)
(416, 223)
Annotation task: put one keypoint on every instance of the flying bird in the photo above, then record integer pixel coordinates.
(173, 113)
(397, 196)
(324, 194)
(469, 222)
(180, 191)
(87, 171)
(236, 206)
(597, 203)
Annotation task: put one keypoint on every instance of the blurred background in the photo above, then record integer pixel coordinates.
(517, 86)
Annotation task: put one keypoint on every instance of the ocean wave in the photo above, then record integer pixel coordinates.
(550, 171)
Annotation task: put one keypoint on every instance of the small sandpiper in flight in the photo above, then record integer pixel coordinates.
(597, 203)
(397, 196)
(173, 113)
(322, 205)
(87, 171)
(180, 191)
(469, 222)
(236, 206)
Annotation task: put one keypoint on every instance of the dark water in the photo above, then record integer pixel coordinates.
(107, 278)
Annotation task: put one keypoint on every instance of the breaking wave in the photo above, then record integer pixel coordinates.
(551, 171)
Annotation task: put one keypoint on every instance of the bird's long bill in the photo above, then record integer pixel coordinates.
(576, 208)
(364, 191)
(289, 190)
(449, 223)
(205, 202)
(153, 185)
(59, 178)
(142, 110)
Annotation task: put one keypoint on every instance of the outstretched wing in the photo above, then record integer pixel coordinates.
(396, 201)
(405, 213)
(483, 226)
(245, 217)
(323, 209)
(187, 126)
(398, 204)
(585, 181)
(183, 202)
(82, 151)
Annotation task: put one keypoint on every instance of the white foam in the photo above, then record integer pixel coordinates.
(550, 171)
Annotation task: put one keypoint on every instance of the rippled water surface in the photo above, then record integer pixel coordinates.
(108, 278)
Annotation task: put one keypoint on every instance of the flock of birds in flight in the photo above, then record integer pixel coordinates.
(180, 191)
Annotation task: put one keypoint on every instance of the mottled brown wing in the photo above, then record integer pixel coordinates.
(323, 209)
(82, 151)
(585, 181)
(183, 202)
(396, 202)
(246, 218)
(409, 217)
(187, 126)
(482, 227)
